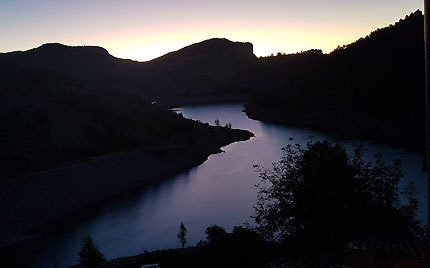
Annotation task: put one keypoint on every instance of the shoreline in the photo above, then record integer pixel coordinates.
(334, 129)
(45, 202)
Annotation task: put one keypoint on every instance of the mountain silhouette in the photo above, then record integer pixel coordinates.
(200, 72)
(198, 69)
(216, 49)
(60, 103)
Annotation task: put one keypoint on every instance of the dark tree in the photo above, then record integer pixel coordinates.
(90, 255)
(181, 235)
(217, 122)
(215, 233)
(322, 192)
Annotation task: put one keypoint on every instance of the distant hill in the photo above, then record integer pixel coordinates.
(370, 89)
(82, 63)
(198, 71)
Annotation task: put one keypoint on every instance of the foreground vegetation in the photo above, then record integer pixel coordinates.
(322, 197)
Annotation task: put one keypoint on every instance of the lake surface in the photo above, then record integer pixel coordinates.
(219, 191)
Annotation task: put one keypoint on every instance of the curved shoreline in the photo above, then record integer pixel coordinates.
(352, 131)
(43, 202)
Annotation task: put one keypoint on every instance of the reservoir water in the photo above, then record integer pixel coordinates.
(219, 191)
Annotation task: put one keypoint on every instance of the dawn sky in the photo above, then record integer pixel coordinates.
(145, 29)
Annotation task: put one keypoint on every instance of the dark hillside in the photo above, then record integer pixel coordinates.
(202, 72)
(85, 63)
(48, 118)
(216, 49)
(371, 89)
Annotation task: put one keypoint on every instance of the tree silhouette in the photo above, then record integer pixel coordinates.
(217, 123)
(181, 235)
(89, 255)
(321, 192)
(215, 233)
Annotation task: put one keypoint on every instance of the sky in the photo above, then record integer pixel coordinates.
(146, 29)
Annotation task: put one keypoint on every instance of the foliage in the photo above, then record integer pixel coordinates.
(215, 233)
(321, 191)
(236, 248)
(242, 247)
(90, 255)
(182, 235)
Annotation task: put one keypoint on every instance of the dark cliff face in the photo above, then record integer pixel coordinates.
(203, 71)
(212, 49)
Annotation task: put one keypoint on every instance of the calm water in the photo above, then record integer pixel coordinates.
(219, 191)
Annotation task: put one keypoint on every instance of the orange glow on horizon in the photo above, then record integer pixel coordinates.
(265, 43)
(144, 30)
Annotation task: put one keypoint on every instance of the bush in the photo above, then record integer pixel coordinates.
(234, 249)
(215, 233)
(322, 193)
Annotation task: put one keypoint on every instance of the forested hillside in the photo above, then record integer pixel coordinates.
(48, 118)
(370, 89)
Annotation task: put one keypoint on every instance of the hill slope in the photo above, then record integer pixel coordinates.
(371, 89)
(49, 118)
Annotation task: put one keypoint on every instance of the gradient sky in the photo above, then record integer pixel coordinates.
(145, 29)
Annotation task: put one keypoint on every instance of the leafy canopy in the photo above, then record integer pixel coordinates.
(215, 233)
(322, 192)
